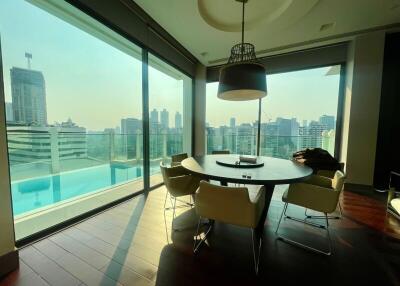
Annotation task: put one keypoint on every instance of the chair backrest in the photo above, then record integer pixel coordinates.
(220, 152)
(178, 158)
(170, 172)
(226, 204)
(338, 181)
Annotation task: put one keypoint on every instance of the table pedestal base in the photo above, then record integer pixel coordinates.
(269, 190)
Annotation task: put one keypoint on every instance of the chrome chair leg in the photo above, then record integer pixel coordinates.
(280, 219)
(323, 217)
(307, 247)
(196, 245)
(256, 253)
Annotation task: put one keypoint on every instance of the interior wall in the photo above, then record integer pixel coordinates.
(361, 112)
(199, 112)
(7, 240)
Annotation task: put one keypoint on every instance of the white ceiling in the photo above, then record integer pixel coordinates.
(209, 28)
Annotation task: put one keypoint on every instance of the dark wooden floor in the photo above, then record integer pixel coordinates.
(129, 245)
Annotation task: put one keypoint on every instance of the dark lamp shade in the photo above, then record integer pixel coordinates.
(242, 81)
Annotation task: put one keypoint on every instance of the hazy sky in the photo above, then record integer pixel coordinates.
(306, 95)
(86, 79)
(96, 84)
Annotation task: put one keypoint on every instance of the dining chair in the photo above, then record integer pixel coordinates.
(314, 197)
(324, 178)
(178, 158)
(178, 184)
(231, 205)
(220, 152)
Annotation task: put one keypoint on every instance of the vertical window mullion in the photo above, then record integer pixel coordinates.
(145, 120)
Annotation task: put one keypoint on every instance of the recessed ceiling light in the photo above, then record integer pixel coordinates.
(326, 27)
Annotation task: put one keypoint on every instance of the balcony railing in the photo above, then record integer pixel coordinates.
(270, 145)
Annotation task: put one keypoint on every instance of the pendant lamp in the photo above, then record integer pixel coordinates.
(242, 78)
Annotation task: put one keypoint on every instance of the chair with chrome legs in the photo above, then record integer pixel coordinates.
(317, 198)
(178, 184)
(220, 152)
(324, 182)
(178, 158)
(233, 206)
(324, 178)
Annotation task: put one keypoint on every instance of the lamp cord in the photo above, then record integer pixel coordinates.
(242, 48)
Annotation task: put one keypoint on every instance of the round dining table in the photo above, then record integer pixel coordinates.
(268, 172)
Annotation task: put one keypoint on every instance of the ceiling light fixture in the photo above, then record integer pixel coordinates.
(242, 78)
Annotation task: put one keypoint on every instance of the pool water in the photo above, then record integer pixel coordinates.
(31, 194)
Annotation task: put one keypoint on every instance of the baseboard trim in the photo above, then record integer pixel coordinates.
(9, 262)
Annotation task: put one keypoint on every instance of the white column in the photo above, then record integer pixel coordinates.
(361, 110)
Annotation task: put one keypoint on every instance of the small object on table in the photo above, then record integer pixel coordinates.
(248, 159)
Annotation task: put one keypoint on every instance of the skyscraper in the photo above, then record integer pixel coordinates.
(28, 96)
(164, 118)
(154, 116)
(328, 121)
(130, 125)
(9, 112)
(232, 122)
(178, 120)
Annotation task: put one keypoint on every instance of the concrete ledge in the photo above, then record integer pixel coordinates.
(9, 262)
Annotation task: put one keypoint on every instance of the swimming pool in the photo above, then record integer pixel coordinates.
(32, 194)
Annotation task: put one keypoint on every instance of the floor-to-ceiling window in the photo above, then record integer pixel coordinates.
(170, 96)
(300, 111)
(73, 92)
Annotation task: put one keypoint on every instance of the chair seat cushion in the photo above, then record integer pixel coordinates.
(395, 204)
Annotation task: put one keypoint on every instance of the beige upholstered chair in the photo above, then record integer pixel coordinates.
(178, 158)
(315, 197)
(220, 152)
(230, 205)
(178, 183)
(323, 181)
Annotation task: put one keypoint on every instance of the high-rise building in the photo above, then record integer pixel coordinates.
(164, 116)
(130, 125)
(178, 120)
(9, 112)
(130, 134)
(328, 121)
(28, 96)
(232, 122)
(154, 116)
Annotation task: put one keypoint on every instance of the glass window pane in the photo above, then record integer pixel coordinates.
(170, 94)
(300, 111)
(230, 125)
(74, 105)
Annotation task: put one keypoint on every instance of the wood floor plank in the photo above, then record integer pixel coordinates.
(52, 273)
(84, 272)
(80, 250)
(124, 256)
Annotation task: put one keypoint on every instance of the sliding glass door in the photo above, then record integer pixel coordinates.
(74, 102)
(170, 95)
